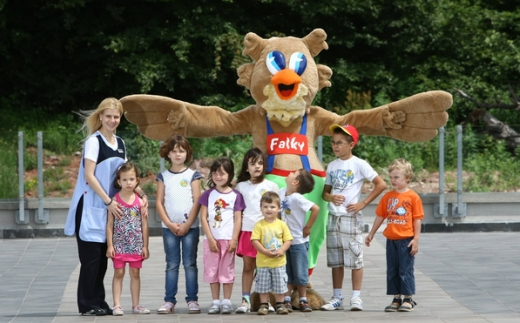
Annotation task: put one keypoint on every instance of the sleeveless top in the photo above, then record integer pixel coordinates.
(128, 231)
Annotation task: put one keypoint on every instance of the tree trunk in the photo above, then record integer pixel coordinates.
(494, 127)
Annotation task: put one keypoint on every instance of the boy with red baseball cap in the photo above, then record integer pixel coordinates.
(345, 177)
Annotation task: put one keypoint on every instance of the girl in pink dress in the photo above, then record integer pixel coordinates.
(127, 239)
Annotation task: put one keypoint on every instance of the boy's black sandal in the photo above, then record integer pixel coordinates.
(288, 306)
(305, 307)
(407, 305)
(394, 306)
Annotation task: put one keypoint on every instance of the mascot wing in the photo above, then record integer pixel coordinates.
(150, 114)
(424, 114)
(158, 117)
(414, 119)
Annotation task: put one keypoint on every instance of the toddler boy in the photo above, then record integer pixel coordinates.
(271, 238)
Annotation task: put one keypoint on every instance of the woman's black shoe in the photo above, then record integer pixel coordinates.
(95, 312)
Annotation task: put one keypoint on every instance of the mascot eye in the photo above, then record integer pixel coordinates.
(298, 63)
(275, 62)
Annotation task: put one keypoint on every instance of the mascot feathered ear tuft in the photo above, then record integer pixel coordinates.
(254, 46)
(324, 75)
(244, 74)
(315, 41)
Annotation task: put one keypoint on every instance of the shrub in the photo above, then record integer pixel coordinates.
(8, 165)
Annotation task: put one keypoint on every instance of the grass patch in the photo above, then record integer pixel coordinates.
(65, 161)
(55, 180)
(60, 187)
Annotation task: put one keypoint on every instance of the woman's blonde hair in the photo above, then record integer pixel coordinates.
(91, 118)
(404, 165)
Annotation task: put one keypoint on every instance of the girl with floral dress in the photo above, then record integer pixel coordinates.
(127, 239)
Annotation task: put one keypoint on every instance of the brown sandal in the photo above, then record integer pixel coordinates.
(394, 306)
(407, 305)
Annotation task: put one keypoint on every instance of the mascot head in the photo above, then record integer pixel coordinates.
(284, 78)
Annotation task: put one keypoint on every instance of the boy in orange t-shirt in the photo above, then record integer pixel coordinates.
(404, 212)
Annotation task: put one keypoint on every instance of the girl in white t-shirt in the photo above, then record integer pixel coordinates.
(252, 185)
(178, 191)
(221, 218)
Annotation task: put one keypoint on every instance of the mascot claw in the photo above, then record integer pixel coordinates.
(175, 118)
(394, 120)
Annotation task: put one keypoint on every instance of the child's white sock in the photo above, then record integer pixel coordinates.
(337, 293)
(287, 299)
(356, 293)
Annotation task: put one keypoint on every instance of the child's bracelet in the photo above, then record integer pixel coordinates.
(143, 195)
(107, 204)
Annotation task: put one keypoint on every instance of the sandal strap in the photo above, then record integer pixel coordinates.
(410, 300)
(167, 304)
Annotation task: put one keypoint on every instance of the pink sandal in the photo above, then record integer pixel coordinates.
(140, 310)
(166, 308)
(117, 311)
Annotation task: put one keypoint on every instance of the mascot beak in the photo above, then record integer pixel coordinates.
(286, 83)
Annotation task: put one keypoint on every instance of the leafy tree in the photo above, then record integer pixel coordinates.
(67, 55)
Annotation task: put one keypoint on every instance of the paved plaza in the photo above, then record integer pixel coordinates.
(461, 277)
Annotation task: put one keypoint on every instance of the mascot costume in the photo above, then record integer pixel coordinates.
(283, 79)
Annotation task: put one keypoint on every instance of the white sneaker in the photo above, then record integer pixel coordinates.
(226, 307)
(244, 307)
(215, 308)
(356, 304)
(334, 303)
(271, 308)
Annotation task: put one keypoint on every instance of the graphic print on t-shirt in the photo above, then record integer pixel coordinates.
(218, 206)
(285, 209)
(397, 211)
(341, 178)
(271, 241)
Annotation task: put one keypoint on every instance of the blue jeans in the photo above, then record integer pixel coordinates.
(172, 249)
(399, 268)
(297, 264)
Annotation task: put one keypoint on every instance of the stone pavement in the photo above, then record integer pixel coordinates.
(461, 277)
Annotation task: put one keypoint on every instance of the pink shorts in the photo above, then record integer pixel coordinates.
(245, 247)
(134, 261)
(219, 267)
